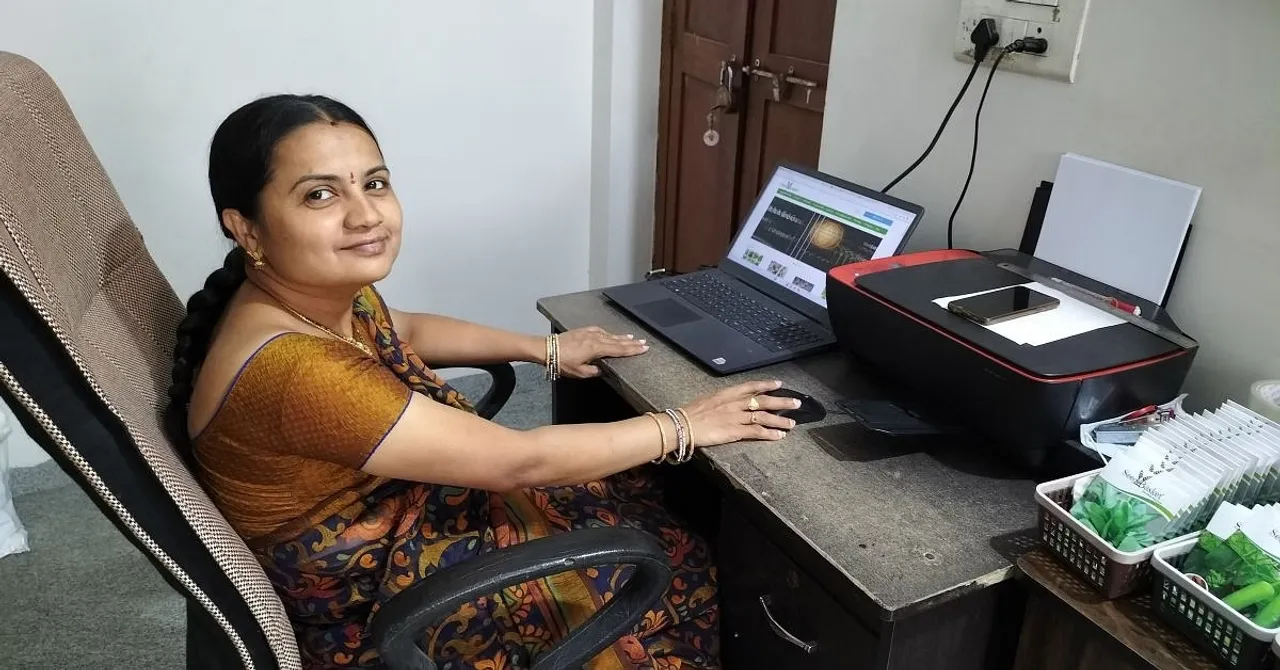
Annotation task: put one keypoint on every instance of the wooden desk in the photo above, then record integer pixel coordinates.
(885, 555)
(1068, 627)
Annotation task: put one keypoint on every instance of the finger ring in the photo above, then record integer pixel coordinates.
(753, 405)
(753, 418)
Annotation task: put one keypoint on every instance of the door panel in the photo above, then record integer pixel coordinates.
(703, 192)
(791, 39)
(722, 21)
(797, 28)
(696, 181)
(704, 182)
(775, 133)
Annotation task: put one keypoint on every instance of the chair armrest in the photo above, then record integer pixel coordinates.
(504, 384)
(399, 625)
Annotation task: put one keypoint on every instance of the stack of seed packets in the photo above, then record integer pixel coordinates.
(1237, 559)
(1172, 481)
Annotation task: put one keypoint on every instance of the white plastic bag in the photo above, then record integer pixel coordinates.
(1109, 451)
(13, 537)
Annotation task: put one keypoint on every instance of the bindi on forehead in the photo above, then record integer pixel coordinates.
(353, 178)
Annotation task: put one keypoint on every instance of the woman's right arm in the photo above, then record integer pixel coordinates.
(436, 443)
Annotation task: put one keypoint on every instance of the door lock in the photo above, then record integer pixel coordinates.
(782, 83)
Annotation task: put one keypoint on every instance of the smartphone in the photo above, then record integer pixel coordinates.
(1002, 305)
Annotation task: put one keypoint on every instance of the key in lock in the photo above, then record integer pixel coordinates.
(723, 102)
(712, 136)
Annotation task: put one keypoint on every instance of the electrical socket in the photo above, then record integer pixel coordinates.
(1062, 26)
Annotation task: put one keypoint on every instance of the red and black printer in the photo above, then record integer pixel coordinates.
(1024, 400)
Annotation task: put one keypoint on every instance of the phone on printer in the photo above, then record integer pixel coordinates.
(1002, 305)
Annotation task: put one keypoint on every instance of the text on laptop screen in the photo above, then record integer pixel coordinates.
(802, 227)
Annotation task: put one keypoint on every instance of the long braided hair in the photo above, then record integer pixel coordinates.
(240, 160)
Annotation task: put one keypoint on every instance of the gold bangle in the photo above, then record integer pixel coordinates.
(688, 427)
(553, 357)
(663, 434)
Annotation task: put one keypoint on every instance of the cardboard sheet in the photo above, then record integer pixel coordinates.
(1116, 225)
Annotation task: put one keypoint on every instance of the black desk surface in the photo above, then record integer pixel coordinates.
(909, 527)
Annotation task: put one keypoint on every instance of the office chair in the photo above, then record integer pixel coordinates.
(86, 333)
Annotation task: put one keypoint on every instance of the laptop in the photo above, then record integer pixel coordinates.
(766, 301)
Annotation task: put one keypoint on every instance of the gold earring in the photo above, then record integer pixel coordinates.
(257, 259)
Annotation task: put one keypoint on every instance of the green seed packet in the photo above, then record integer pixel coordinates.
(1139, 497)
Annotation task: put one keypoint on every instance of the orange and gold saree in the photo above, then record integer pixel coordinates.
(281, 458)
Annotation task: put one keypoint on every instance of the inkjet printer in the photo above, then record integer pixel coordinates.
(1023, 394)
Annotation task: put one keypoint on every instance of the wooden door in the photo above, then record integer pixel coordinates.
(696, 182)
(703, 191)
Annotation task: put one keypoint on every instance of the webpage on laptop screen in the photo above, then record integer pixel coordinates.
(802, 227)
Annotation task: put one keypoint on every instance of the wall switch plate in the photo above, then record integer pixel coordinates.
(1061, 22)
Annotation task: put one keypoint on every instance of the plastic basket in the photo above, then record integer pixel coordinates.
(1234, 641)
(1112, 572)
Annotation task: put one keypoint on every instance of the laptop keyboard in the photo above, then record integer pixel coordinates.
(741, 312)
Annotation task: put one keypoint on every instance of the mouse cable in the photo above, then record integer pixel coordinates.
(1028, 45)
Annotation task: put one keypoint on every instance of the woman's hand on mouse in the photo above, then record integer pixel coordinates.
(581, 347)
(728, 415)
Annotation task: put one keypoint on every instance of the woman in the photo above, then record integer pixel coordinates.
(351, 470)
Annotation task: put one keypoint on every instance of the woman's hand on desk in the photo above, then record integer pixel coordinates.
(581, 347)
(740, 412)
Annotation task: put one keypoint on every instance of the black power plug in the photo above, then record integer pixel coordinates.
(985, 35)
(1029, 45)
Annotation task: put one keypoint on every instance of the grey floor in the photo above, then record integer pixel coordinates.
(84, 597)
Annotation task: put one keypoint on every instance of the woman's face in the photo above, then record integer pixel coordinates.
(328, 217)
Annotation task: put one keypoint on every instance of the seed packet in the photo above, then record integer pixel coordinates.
(1140, 496)
(1227, 435)
(1251, 587)
(1195, 465)
(1207, 470)
(1187, 441)
(1211, 562)
(1266, 430)
(1253, 438)
(1242, 465)
(1237, 407)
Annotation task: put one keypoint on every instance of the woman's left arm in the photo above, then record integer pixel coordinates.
(444, 341)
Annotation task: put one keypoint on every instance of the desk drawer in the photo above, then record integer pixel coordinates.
(774, 615)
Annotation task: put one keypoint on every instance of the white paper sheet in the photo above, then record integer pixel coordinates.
(1070, 318)
(1116, 225)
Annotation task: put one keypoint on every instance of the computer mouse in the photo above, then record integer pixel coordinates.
(810, 409)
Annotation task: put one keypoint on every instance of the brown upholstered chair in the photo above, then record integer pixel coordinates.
(86, 329)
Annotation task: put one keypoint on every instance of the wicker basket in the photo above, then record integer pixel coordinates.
(1112, 572)
(1234, 641)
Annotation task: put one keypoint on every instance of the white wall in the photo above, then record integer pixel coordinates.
(484, 110)
(625, 148)
(1181, 88)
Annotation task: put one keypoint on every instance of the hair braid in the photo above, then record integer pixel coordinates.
(204, 310)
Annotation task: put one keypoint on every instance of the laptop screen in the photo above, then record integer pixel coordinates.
(802, 226)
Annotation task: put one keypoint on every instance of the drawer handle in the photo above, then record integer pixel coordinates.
(808, 647)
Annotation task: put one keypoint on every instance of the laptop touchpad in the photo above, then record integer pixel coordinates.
(667, 312)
